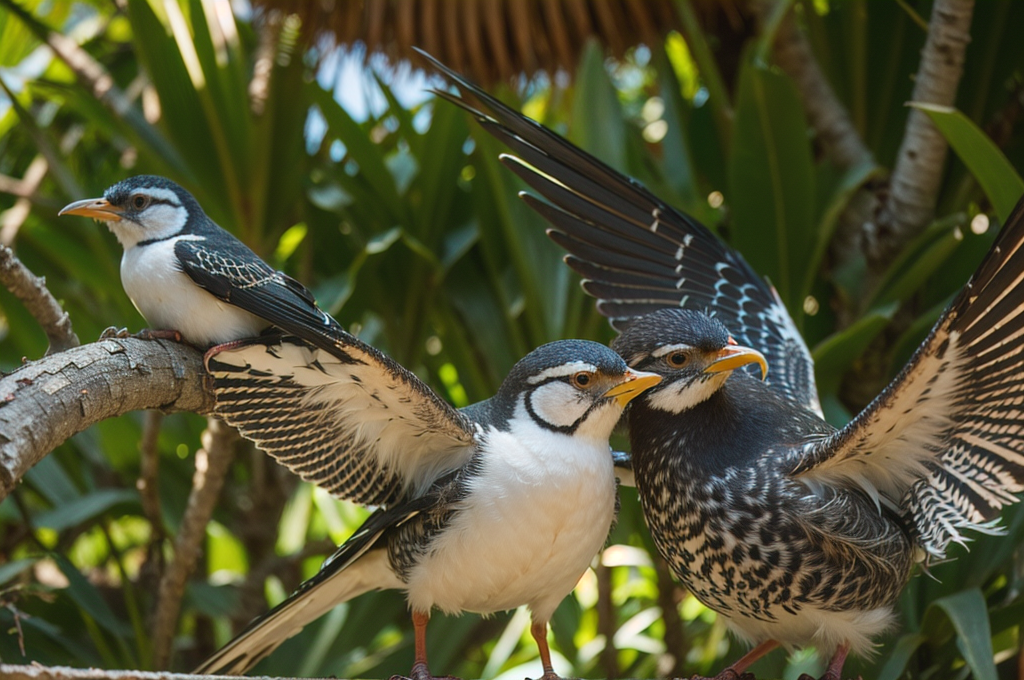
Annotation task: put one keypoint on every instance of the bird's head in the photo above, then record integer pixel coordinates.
(692, 351)
(140, 208)
(575, 387)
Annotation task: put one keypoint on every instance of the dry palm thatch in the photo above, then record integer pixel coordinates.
(494, 40)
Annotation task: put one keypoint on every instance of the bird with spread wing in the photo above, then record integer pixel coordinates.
(501, 504)
(797, 533)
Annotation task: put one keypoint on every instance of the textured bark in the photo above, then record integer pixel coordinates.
(39, 302)
(915, 180)
(45, 402)
(36, 672)
(825, 113)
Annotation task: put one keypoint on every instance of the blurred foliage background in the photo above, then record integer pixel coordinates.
(395, 210)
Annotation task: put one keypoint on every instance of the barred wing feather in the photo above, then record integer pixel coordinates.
(944, 443)
(637, 253)
(350, 419)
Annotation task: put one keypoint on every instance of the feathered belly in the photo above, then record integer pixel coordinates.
(524, 536)
(170, 300)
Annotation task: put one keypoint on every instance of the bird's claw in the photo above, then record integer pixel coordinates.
(727, 674)
(114, 333)
(158, 334)
(421, 672)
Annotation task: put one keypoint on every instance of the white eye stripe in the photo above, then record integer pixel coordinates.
(668, 349)
(561, 371)
(164, 195)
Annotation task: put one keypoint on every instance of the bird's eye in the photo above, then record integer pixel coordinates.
(581, 379)
(677, 359)
(140, 201)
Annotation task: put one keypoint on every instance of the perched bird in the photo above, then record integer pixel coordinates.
(797, 533)
(186, 274)
(500, 504)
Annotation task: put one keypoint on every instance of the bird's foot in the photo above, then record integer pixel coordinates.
(421, 672)
(158, 334)
(114, 333)
(727, 674)
(549, 676)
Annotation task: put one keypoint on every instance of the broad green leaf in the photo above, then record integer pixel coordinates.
(968, 613)
(718, 94)
(849, 184)
(997, 177)
(919, 260)
(85, 508)
(896, 664)
(88, 597)
(834, 354)
(597, 123)
(771, 183)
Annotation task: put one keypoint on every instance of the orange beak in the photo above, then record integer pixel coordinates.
(733, 356)
(97, 208)
(633, 383)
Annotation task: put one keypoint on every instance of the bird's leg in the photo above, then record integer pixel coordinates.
(539, 631)
(420, 671)
(737, 671)
(835, 666)
(158, 334)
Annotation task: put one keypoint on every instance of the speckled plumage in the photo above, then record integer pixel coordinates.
(794, 531)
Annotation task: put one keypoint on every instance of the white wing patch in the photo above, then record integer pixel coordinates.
(885, 450)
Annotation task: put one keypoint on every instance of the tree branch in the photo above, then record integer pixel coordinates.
(37, 672)
(45, 402)
(32, 292)
(825, 113)
(212, 462)
(915, 180)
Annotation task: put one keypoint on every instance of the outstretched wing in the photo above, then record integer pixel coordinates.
(945, 441)
(636, 253)
(348, 419)
(233, 273)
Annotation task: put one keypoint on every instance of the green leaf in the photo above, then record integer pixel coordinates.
(85, 508)
(994, 173)
(597, 124)
(771, 183)
(968, 613)
(919, 260)
(88, 598)
(834, 354)
(897, 662)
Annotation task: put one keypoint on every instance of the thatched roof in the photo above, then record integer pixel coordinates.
(497, 39)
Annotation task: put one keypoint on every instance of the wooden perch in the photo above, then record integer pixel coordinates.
(37, 672)
(45, 402)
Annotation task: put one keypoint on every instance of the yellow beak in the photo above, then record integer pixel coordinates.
(732, 357)
(98, 208)
(633, 383)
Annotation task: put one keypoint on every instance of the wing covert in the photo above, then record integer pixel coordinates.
(349, 419)
(235, 274)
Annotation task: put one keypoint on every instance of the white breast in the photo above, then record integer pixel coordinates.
(536, 515)
(170, 300)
